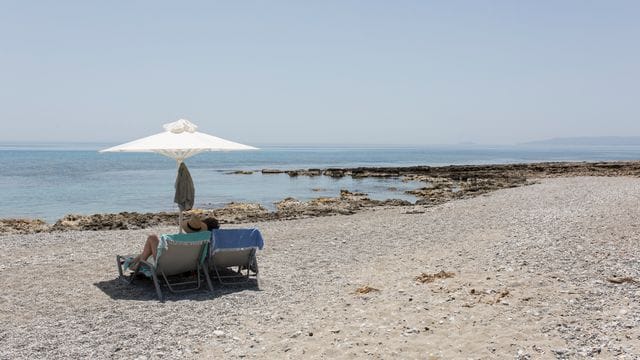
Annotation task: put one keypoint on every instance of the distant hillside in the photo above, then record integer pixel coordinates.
(590, 141)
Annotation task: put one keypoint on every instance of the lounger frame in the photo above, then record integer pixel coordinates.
(159, 270)
(244, 258)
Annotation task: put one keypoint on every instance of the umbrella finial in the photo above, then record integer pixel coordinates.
(180, 126)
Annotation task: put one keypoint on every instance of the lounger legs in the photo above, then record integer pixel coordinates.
(207, 277)
(256, 270)
(251, 267)
(220, 277)
(119, 262)
(119, 265)
(156, 282)
(157, 285)
(197, 282)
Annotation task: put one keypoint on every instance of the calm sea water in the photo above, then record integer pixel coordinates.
(49, 181)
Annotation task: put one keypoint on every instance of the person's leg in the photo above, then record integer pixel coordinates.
(150, 248)
(152, 243)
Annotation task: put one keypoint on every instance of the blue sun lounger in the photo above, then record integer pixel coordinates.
(235, 247)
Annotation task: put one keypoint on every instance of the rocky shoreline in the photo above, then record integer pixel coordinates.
(441, 184)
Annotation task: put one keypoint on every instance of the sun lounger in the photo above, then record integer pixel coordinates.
(177, 254)
(235, 248)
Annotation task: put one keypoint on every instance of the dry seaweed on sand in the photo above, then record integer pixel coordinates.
(490, 297)
(428, 278)
(366, 289)
(498, 297)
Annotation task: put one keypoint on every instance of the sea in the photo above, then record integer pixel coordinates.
(48, 181)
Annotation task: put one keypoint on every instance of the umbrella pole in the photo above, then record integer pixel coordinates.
(179, 161)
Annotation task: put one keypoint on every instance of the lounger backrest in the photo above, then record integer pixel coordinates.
(183, 252)
(229, 258)
(236, 239)
(234, 247)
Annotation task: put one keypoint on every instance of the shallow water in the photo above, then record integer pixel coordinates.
(49, 181)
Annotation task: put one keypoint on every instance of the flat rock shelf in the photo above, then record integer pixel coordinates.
(440, 185)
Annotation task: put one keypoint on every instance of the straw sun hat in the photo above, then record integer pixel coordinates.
(194, 224)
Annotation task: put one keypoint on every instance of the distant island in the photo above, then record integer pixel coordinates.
(590, 141)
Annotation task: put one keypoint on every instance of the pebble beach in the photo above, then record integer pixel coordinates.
(549, 270)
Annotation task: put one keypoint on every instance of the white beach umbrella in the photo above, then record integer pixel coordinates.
(179, 141)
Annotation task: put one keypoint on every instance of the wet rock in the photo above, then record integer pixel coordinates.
(510, 173)
(347, 203)
(237, 212)
(395, 202)
(231, 213)
(120, 221)
(353, 196)
(303, 172)
(22, 226)
(363, 173)
(336, 173)
(291, 208)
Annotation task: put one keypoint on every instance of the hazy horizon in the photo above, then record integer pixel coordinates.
(407, 73)
(598, 141)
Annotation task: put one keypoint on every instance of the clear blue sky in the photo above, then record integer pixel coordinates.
(354, 72)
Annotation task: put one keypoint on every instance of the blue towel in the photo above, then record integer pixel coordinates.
(236, 238)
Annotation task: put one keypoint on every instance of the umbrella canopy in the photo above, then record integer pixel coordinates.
(179, 141)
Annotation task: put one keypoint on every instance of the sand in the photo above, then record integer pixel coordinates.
(547, 271)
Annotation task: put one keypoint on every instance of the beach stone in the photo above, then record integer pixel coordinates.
(336, 173)
(22, 226)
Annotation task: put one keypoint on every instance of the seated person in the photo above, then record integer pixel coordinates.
(194, 224)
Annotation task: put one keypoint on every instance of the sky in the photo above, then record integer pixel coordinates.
(320, 72)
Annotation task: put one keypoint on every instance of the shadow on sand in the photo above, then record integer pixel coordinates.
(142, 289)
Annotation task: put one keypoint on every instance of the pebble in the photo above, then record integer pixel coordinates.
(412, 331)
